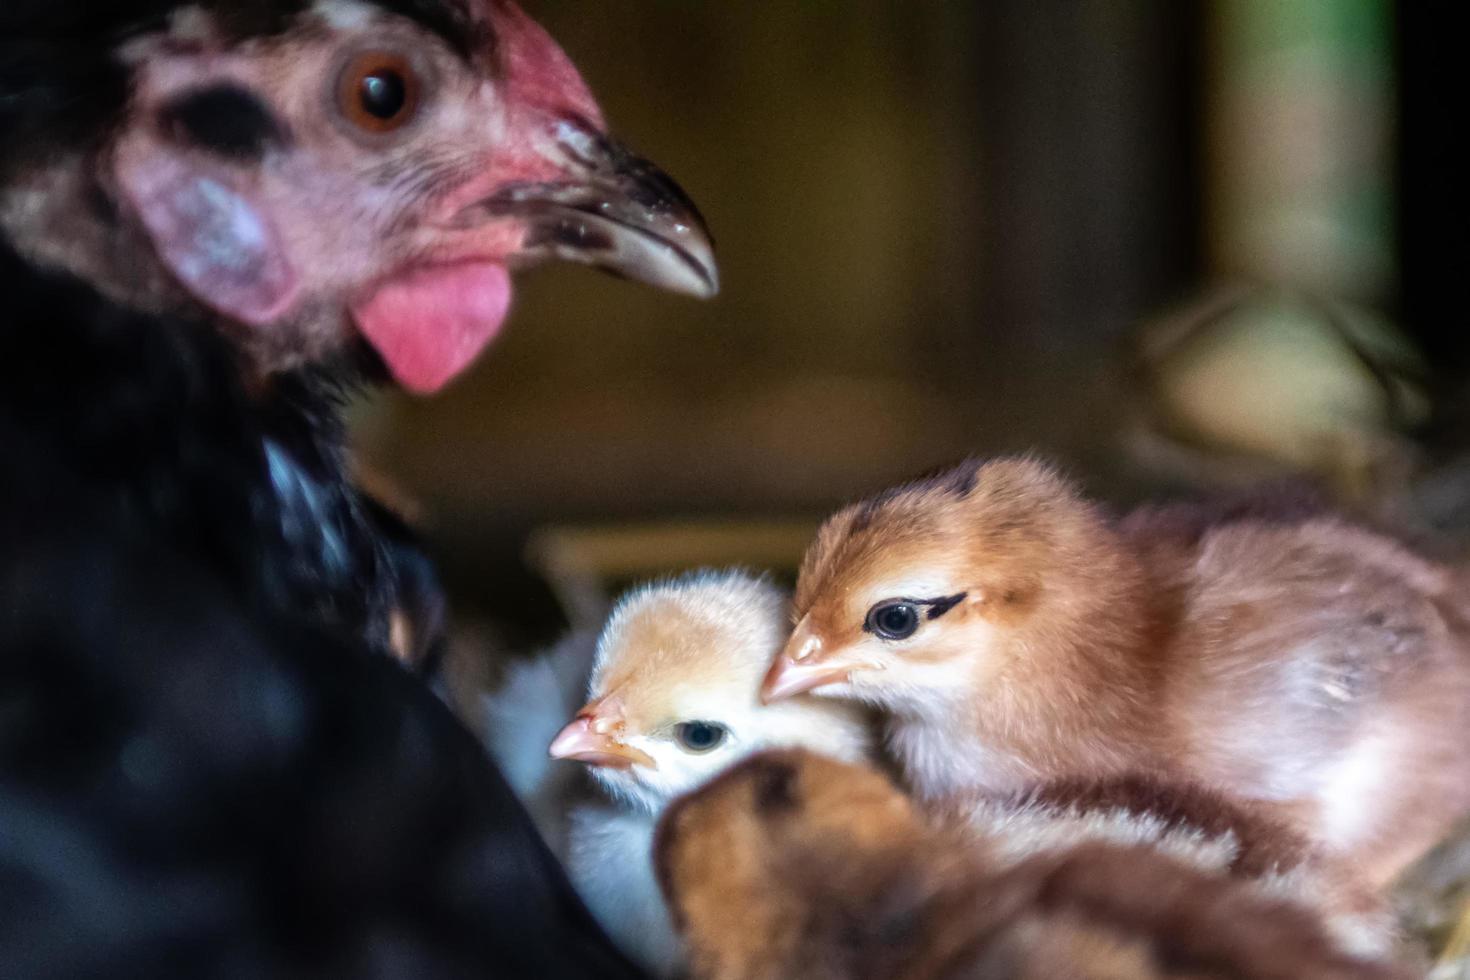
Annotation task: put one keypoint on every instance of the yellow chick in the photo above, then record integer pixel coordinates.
(674, 699)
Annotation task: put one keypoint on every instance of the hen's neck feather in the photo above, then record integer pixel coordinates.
(145, 421)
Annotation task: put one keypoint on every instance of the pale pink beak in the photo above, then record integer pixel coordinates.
(801, 667)
(788, 678)
(592, 739)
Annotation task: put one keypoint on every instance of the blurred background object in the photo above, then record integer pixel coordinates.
(1248, 384)
(1299, 130)
(1172, 244)
(1434, 904)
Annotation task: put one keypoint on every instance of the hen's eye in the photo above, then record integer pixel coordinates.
(378, 92)
(893, 620)
(384, 94)
(700, 736)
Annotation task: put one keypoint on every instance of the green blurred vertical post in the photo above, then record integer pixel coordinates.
(1300, 181)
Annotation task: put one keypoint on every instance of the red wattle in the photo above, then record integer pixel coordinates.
(430, 323)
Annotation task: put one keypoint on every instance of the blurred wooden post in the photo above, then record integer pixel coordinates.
(1300, 162)
(1088, 201)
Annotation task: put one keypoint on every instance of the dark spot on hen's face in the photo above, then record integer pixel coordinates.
(226, 120)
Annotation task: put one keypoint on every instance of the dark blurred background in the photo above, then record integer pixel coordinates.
(1173, 244)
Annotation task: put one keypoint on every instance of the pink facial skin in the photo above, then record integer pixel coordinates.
(400, 235)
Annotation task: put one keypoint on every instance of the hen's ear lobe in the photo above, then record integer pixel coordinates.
(210, 231)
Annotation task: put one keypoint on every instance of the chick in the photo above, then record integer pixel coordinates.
(674, 700)
(791, 865)
(1013, 633)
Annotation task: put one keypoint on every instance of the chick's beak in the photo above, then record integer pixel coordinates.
(590, 739)
(788, 678)
(805, 665)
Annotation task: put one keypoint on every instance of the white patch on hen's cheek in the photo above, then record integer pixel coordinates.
(214, 238)
(228, 232)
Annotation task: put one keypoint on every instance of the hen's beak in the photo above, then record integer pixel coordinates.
(802, 666)
(593, 740)
(610, 209)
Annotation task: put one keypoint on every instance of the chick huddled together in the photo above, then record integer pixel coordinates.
(1195, 740)
(1010, 631)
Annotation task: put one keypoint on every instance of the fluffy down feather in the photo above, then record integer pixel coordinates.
(792, 865)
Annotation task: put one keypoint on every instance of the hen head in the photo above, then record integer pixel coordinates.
(306, 173)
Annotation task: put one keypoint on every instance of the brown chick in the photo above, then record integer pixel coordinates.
(793, 865)
(1012, 633)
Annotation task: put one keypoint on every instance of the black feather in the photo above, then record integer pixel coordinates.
(147, 420)
(190, 789)
(207, 764)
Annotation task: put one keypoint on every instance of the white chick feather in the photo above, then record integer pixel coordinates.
(522, 715)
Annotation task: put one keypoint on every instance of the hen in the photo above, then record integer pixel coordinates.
(214, 219)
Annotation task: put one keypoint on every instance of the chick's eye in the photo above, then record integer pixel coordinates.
(378, 92)
(700, 736)
(893, 620)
